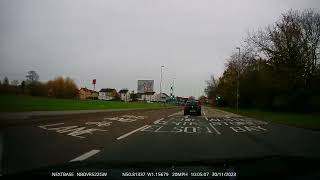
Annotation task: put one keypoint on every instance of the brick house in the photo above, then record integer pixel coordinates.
(85, 93)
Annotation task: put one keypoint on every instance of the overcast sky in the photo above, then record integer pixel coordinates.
(118, 42)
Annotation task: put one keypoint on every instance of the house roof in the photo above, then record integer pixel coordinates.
(107, 90)
(123, 91)
(149, 93)
(165, 94)
(87, 90)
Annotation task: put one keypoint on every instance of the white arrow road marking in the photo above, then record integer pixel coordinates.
(86, 155)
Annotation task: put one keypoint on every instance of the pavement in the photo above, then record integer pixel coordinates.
(148, 135)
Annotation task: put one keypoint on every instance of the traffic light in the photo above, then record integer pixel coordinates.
(218, 100)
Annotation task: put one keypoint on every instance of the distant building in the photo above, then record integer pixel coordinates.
(85, 93)
(108, 94)
(148, 96)
(124, 95)
(163, 98)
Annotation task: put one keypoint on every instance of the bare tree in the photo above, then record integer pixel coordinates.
(6, 81)
(211, 86)
(32, 76)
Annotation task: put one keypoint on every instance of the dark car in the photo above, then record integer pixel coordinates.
(192, 107)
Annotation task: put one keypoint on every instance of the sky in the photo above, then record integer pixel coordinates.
(120, 42)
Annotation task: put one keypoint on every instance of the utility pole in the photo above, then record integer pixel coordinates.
(238, 69)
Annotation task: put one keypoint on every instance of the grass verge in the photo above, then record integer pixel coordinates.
(305, 120)
(12, 103)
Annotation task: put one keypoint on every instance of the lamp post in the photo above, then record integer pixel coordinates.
(160, 95)
(238, 69)
(173, 86)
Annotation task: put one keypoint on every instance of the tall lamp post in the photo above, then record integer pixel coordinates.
(160, 95)
(238, 69)
(172, 88)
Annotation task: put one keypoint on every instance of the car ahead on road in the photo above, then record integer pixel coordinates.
(192, 107)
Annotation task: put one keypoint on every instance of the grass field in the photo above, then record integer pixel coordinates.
(307, 120)
(11, 103)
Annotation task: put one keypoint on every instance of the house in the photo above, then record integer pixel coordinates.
(164, 97)
(108, 94)
(124, 95)
(148, 96)
(85, 93)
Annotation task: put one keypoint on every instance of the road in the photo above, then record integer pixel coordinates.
(148, 135)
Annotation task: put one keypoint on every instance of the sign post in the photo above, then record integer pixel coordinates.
(94, 83)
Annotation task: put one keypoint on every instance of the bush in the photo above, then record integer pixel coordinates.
(62, 88)
(37, 89)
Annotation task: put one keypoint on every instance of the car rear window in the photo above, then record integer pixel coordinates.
(191, 103)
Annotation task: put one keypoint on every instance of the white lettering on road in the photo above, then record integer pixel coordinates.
(190, 129)
(81, 131)
(45, 126)
(63, 129)
(177, 129)
(74, 131)
(100, 124)
(237, 129)
(124, 118)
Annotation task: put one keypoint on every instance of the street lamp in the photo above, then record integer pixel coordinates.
(160, 95)
(173, 86)
(238, 79)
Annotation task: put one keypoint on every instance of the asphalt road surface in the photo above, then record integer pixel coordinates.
(148, 135)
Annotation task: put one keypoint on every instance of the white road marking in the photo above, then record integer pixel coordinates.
(175, 114)
(215, 129)
(204, 113)
(45, 126)
(157, 121)
(129, 133)
(206, 118)
(86, 155)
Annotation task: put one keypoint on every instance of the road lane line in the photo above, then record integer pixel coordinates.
(206, 118)
(129, 133)
(86, 155)
(204, 113)
(215, 129)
